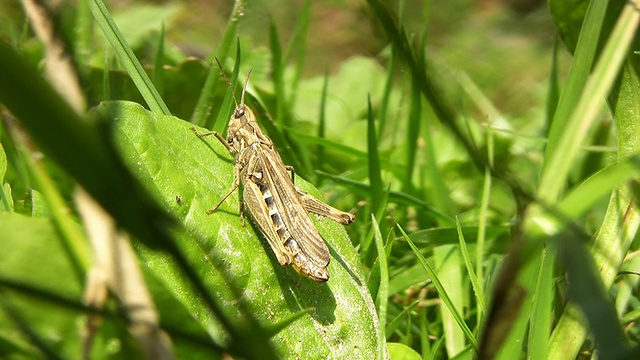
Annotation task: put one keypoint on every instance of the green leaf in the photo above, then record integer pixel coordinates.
(399, 351)
(32, 255)
(84, 150)
(46, 301)
(172, 162)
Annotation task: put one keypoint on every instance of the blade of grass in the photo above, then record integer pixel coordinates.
(442, 109)
(127, 57)
(83, 30)
(553, 96)
(583, 60)
(5, 189)
(395, 196)
(582, 198)
(415, 118)
(446, 300)
(386, 94)
(413, 131)
(612, 241)
(220, 122)
(298, 43)
(395, 322)
(106, 79)
(157, 74)
(64, 133)
(482, 232)
(368, 255)
(277, 68)
(229, 33)
(508, 317)
(322, 125)
(203, 108)
(298, 156)
(346, 150)
(425, 342)
(540, 328)
(376, 194)
(383, 290)
(448, 270)
(561, 153)
(438, 190)
(624, 99)
(374, 280)
(587, 289)
(375, 174)
(475, 283)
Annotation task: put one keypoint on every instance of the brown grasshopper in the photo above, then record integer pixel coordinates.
(277, 206)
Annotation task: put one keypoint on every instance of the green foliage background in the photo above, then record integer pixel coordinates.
(488, 151)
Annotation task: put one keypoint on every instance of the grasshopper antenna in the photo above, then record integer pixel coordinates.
(229, 83)
(244, 89)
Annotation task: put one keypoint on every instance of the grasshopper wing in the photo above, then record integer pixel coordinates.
(289, 204)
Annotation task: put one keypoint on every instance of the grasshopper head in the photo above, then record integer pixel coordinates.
(241, 117)
(243, 128)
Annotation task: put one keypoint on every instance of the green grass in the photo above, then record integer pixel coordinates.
(481, 232)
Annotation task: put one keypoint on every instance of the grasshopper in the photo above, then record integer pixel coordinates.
(277, 206)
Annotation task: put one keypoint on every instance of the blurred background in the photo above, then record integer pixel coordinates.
(505, 47)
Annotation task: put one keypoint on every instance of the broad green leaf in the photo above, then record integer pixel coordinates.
(398, 351)
(39, 291)
(31, 255)
(190, 175)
